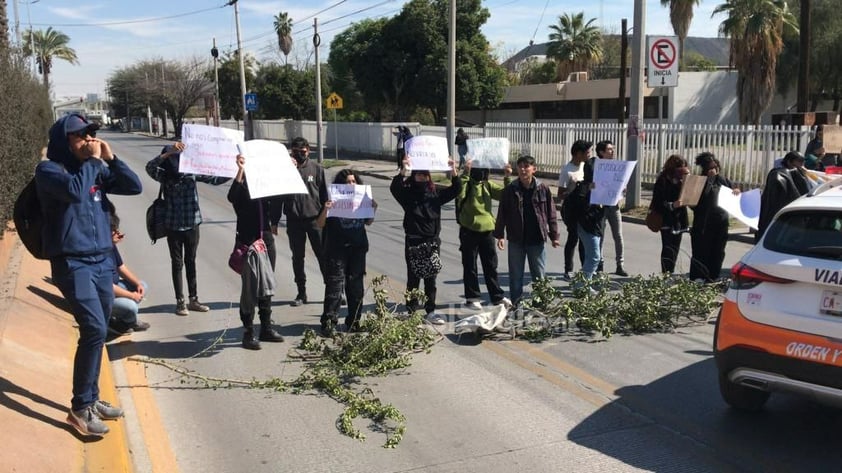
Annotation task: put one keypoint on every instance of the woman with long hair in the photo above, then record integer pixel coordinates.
(709, 233)
(674, 212)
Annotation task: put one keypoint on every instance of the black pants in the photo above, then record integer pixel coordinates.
(298, 232)
(414, 282)
(264, 304)
(471, 244)
(570, 248)
(400, 154)
(670, 246)
(708, 246)
(183, 246)
(344, 268)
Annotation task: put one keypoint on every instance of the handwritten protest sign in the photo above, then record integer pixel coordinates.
(269, 171)
(490, 153)
(745, 207)
(210, 151)
(832, 139)
(691, 189)
(428, 153)
(610, 179)
(350, 201)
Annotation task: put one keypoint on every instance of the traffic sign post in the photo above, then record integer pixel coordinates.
(251, 102)
(662, 61)
(334, 102)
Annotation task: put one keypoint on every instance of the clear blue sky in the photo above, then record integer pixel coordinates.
(109, 34)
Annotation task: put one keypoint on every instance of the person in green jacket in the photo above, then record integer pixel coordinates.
(476, 224)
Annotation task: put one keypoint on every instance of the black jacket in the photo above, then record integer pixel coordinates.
(422, 204)
(309, 205)
(707, 213)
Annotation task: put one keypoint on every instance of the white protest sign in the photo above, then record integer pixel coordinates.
(488, 152)
(745, 206)
(209, 151)
(428, 153)
(350, 201)
(610, 178)
(269, 171)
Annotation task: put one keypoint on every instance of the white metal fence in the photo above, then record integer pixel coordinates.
(746, 152)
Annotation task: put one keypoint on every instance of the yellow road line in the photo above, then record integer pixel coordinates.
(109, 454)
(155, 437)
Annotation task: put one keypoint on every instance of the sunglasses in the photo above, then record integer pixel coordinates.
(84, 134)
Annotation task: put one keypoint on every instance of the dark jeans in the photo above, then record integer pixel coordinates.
(414, 282)
(570, 248)
(400, 154)
(298, 232)
(344, 268)
(471, 244)
(670, 246)
(264, 304)
(183, 246)
(87, 285)
(708, 246)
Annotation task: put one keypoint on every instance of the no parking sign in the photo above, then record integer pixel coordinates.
(662, 61)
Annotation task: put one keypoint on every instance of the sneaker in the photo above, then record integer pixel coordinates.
(435, 318)
(197, 306)
(476, 305)
(106, 411)
(270, 335)
(87, 422)
(621, 272)
(299, 300)
(329, 328)
(114, 331)
(249, 342)
(566, 276)
(140, 326)
(600, 266)
(505, 301)
(181, 308)
(342, 300)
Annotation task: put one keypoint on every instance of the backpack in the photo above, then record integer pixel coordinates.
(29, 220)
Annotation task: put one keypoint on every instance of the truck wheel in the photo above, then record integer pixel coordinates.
(741, 397)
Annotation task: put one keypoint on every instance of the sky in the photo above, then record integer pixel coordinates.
(111, 34)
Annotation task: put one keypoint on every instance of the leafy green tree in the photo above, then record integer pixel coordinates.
(283, 28)
(681, 15)
(697, 62)
(358, 75)
(608, 65)
(286, 92)
(756, 29)
(533, 71)
(44, 46)
(230, 95)
(574, 44)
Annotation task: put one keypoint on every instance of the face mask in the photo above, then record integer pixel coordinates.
(477, 174)
(299, 156)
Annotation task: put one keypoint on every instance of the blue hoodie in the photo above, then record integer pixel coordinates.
(73, 197)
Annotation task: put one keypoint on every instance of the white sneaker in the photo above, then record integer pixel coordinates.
(476, 305)
(506, 302)
(435, 318)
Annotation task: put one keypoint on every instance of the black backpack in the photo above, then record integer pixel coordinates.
(29, 220)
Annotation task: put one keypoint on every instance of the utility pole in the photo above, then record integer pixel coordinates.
(633, 149)
(804, 59)
(215, 54)
(246, 117)
(164, 126)
(317, 40)
(17, 22)
(451, 79)
(624, 49)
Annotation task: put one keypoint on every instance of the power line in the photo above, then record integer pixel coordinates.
(129, 22)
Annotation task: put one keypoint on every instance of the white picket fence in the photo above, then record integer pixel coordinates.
(746, 152)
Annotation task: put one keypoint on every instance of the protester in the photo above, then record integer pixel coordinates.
(461, 143)
(590, 219)
(422, 203)
(815, 153)
(665, 201)
(570, 175)
(72, 186)
(605, 150)
(783, 185)
(526, 226)
(129, 290)
(301, 211)
(476, 222)
(345, 248)
(258, 278)
(182, 220)
(709, 233)
(402, 134)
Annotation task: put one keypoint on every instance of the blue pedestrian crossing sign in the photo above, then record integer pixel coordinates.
(251, 102)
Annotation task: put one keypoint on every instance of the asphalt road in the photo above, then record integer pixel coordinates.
(630, 403)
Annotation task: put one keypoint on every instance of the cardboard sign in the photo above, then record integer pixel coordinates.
(209, 151)
(269, 171)
(350, 201)
(691, 189)
(428, 153)
(492, 153)
(610, 179)
(745, 207)
(832, 139)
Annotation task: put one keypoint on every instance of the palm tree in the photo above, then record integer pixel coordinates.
(756, 30)
(46, 45)
(283, 27)
(681, 15)
(574, 44)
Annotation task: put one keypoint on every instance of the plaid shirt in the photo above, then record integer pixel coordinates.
(180, 194)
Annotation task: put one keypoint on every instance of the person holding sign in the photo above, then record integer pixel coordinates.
(254, 231)
(605, 150)
(476, 222)
(666, 202)
(783, 185)
(182, 221)
(709, 233)
(527, 217)
(345, 246)
(422, 204)
(568, 178)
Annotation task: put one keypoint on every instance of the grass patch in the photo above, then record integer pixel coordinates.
(332, 163)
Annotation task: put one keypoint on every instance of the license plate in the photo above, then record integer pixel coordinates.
(831, 303)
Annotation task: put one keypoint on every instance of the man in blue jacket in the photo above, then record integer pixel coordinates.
(72, 187)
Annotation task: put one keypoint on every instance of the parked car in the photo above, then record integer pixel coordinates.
(780, 326)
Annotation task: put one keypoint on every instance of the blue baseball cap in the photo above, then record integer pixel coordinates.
(75, 123)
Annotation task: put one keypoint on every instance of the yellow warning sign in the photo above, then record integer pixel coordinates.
(333, 101)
